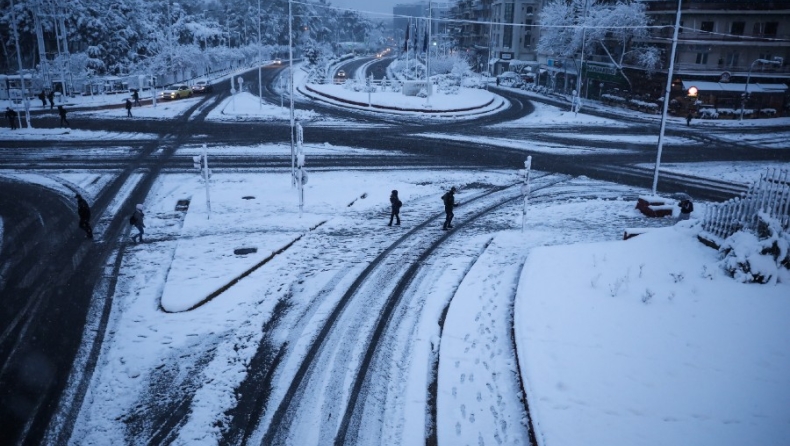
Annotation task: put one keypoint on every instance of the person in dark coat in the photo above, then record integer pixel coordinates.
(128, 108)
(686, 208)
(449, 204)
(688, 119)
(396, 204)
(136, 97)
(11, 115)
(63, 120)
(137, 221)
(43, 97)
(51, 97)
(84, 211)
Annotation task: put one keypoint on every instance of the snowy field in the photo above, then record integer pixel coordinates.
(644, 341)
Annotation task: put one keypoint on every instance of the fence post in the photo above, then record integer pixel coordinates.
(785, 202)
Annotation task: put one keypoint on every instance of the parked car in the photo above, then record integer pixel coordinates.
(510, 79)
(176, 92)
(277, 61)
(201, 87)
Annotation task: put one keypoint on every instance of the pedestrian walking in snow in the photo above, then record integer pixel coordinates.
(686, 208)
(396, 204)
(128, 108)
(63, 120)
(51, 97)
(688, 119)
(11, 115)
(449, 204)
(84, 211)
(43, 97)
(136, 97)
(137, 221)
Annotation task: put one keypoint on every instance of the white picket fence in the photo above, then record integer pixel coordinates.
(771, 195)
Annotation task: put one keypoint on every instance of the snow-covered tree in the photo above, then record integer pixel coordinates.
(598, 27)
(166, 37)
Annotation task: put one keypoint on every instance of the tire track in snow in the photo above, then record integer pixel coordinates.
(346, 332)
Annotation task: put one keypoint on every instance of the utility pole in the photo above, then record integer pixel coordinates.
(666, 98)
(428, 59)
(19, 61)
(260, 90)
(291, 88)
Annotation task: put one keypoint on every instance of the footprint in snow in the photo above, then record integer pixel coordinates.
(458, 428)
(479, 397)
(463, 410)
(463, 377)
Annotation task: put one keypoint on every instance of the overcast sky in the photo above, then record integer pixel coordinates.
(377, 6)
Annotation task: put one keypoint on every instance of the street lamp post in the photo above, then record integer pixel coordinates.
(748, 77)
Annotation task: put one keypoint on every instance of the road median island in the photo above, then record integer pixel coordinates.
(473, 100)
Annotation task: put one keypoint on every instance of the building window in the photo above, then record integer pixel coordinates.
(702, 58)
(507, 35)
(770, 29)
(732, 59)
(509, 7)
(706, 27)
(527, 40)
(529, 10)
(736, 29)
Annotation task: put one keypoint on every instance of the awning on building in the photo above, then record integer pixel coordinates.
(755, 87)
(566, 69)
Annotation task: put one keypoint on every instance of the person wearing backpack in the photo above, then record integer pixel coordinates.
(449, 204)
(396, 204)
(136, 220)
(686, 208)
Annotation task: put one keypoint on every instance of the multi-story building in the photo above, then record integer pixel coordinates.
(514, 33)
(724, 44)
(471, 29)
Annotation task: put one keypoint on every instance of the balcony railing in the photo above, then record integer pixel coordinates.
(735, 70)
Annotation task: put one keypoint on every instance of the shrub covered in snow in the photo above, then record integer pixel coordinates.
(642, 105)
(606, 97)
(768, 112)
(762, 256)
(708, 113)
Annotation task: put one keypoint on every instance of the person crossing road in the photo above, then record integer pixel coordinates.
(84, 212)
(449, 204)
